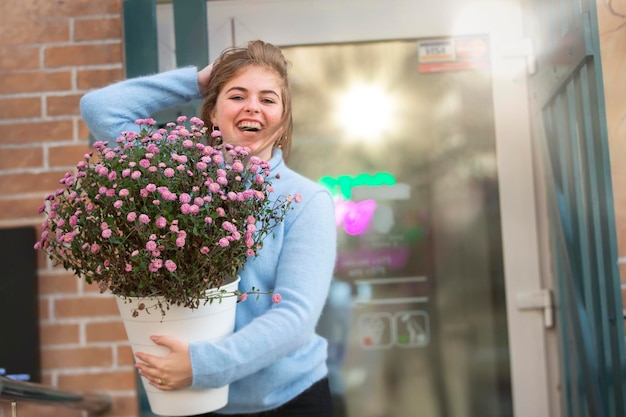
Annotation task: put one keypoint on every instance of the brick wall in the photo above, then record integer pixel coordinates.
(53, 51)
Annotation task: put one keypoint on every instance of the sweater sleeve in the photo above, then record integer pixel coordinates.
(305, 269)
(111, 110)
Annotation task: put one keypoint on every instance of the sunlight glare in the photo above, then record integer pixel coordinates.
(364, 112)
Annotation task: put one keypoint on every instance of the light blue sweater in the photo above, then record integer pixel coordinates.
(274, 353)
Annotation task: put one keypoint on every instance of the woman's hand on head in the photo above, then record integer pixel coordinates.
(170, 372)
(203, 78)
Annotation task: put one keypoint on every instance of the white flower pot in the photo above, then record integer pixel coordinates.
(212, 321)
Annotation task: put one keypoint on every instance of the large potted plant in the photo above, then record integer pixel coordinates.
(165, 222)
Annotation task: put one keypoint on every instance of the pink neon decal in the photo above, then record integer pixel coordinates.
(355, 217)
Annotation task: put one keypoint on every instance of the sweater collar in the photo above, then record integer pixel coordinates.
(276, 161)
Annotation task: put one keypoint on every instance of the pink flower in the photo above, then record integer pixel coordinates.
(128, 268)
(95, 248)
(204, 250)
(184, 198)
(161, 222)
(180, 242)
(276, 298)
(123, 192)
(143, 218)
(131, 216)
(242, 297)
(106, 233)
(135, 175)
(170, 265)
(228, 226)
(151, 245)
(223, 242)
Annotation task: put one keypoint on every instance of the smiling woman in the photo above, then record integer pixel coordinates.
(275, 358)
(249, 110)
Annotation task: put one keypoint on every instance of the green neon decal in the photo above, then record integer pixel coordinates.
(344, 184)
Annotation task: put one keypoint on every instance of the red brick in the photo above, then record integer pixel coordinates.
(114, 380)
(29, 183)
(45, 9)
(36, 31)
(92, 29)
(83, 130)
(89, 79)
(125, 355)
(125, 406)
(92, 288)
(44, 308)
(98, 305)
(32, 132)
(68, 155)
(35, 82)
(54, 358)
(62, 56)
(63, 105)
(64, 282)
(19, 58)
(59, 334)
(111, 331)
(15, 108)
(19, 208)
(21, 158)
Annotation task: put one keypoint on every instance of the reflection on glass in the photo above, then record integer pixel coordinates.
(416, 319)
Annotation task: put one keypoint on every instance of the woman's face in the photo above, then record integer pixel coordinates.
(249, 110)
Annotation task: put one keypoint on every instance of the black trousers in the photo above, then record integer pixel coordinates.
(314, 402)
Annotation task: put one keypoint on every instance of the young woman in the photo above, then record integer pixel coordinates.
(275, 363)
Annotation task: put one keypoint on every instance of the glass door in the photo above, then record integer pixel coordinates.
(414, 115)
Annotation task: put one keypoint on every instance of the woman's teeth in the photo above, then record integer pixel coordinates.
(249, 127)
